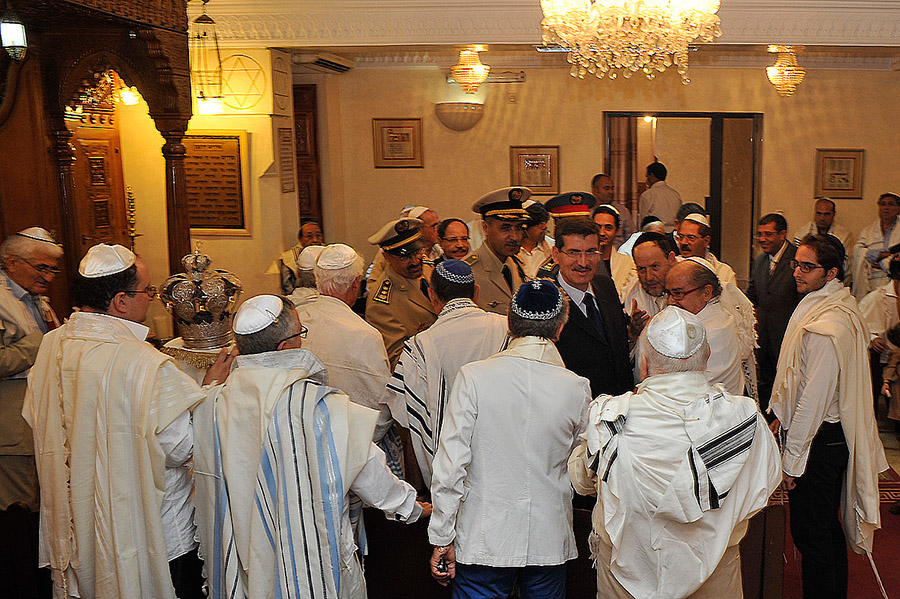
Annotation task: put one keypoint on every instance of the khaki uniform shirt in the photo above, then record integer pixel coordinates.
(494, 294)
(399, 309)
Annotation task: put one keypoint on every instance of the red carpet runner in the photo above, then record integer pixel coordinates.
(862, 583)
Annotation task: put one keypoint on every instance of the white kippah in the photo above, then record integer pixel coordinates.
(37, 234)
(697, 218)
(702, 262)
(611, 207)
(102, 260)
(336, 256)
(676, 333)
(308, 256)
(257, 313)
(418, 211)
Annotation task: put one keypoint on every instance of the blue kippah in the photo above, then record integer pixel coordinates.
(455, 271)
(537, 300)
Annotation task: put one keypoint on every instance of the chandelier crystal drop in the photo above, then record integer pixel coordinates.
(786, 74)
(613, 37)
(469, 72)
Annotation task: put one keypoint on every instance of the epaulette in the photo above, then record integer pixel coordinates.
(428, 262)
(384, 293)
(546, 270)
(471, 259)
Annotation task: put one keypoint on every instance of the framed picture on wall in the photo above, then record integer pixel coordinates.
(217, 175)
(398, 143)
(535, 167)
(839, 173)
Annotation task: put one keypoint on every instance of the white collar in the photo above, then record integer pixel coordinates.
(576, 295)
(139, 331)
(779, 253)
(457, 303)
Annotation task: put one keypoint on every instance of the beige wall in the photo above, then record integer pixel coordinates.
(838, 109)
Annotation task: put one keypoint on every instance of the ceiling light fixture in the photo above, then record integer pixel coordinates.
(469, 72)
(786, 74)
(608, 37)
(206, 63)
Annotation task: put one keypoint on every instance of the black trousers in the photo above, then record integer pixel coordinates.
(187, 576)
(815, 524)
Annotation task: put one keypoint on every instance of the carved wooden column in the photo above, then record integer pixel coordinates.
(64, 153)
(176, 198)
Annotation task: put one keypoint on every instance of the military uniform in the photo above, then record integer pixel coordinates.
(397, 306)
(494, 293)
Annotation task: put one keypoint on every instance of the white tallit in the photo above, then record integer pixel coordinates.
(96, 403)
(837, 317)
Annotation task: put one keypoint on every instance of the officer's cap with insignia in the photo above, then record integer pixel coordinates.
(504, 204)
(573, 203)
(400, 237)
(538, 299)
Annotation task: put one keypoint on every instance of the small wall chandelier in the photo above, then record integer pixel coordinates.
(12, 35)
(206, 63)
(469, 72)
(608, 37)
(785, 74)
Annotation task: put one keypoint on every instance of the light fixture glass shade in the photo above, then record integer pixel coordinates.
(469, 72)
(129, 95)
(209, 106)
(459, 116)
(612, 37)
(206, 61)
(786, 74)
(12, 35)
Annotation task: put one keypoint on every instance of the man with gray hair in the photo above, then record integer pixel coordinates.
(304, 277)
(30, 262)
(277, 452)
(511, 422)
(678, 467)
(430, 361)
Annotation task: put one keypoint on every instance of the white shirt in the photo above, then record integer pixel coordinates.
(623, 272)
(723, 271)
(880, 310)
(661, 201)
(533, 259)
(577, 295)
(817, 394)
(500, 490)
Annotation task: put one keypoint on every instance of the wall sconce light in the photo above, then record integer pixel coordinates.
(12, 35)
(469, 72)
(129, 96)
(459, 116)
(206, 63)
(786, 74)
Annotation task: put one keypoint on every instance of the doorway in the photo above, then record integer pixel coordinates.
(712, 159)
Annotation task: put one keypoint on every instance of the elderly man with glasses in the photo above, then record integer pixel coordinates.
(113, 442)
(30, 262)
(693, 239)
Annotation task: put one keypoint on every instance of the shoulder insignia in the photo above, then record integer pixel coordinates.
(428, 262)
(546, 270)
(471, 259)
(384, 293)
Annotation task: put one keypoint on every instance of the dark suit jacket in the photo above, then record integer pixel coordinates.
(602, 359)
(775, 297)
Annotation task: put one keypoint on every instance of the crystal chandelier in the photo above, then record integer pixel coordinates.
(606, 37)
(469, 72)
(785, 74)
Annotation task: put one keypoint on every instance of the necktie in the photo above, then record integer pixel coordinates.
(423, 285)
(507, 274)
(593, 314)
(772, 264)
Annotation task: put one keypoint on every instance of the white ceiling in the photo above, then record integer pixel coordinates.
(853, 34)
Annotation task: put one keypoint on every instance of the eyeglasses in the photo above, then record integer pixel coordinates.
(301, 334)
(454, 239)
(41, 268)
(576, 254)
(688, 238)
(805, 267)
(150, 290)
(678, 294)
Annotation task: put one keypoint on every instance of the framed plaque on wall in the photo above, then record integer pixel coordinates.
(398, 143)
(535, 167)
(217, 174)
(839, 173)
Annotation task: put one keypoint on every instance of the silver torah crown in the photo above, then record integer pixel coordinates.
(202, 302)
